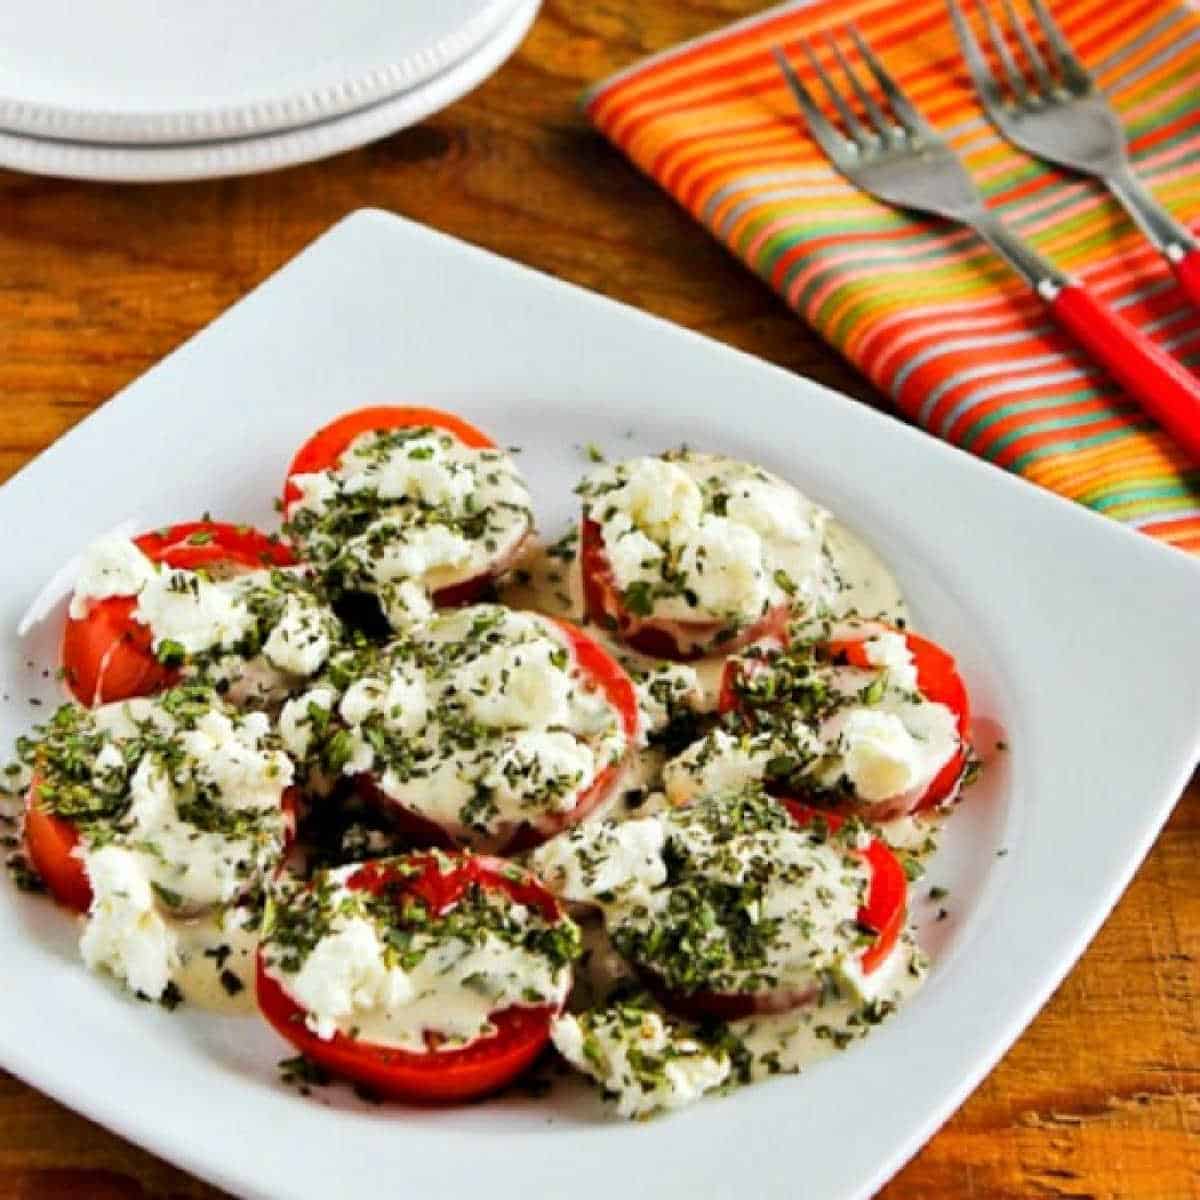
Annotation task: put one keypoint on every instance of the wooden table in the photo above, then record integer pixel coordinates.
(1101, 1097)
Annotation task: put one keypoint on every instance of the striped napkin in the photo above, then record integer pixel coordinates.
(921, 308)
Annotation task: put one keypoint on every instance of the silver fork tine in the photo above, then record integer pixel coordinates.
(853, 126)
(985, 82)
(1069, 67)
(908, 116)
(1015, 79)
(830, 139)
(1033, 56)
(881, 123)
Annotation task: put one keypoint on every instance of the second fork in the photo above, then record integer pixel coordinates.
(900, 159)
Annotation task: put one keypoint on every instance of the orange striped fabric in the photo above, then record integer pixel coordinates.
(924, 309)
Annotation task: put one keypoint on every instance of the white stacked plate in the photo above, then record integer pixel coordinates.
(144, 90)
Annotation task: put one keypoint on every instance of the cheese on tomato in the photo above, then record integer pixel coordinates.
(866, 729)
(447, 981)
(255, 632)
(699, 538)
(725, 895)
(178, 806)
(480, 724)
(411, 506)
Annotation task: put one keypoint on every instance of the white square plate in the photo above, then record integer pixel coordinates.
(1075, 636)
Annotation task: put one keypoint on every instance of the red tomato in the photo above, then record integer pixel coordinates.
(51, 840)
(937, 679)
(661, 638)
(601, 671)
(325, 448)
(884, 913)
(108, 656)
(435, 1076)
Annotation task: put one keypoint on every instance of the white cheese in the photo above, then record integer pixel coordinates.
(316, 490)
(408, 552)
(421, 471)
(540, 733)
(889, 750)
(441, 513)
(295, 720)
(518, 686)
(878, 755)
(719, 762)
(723, 563)
(808, 892)
(190, 610)
(889, 650)
(658, 497)
(599, 858)
(664, 689)
(109, 770)
(124, 933)
(229, 758)
(345, 973)
(299, 643)
(615, 1052)
(111, 566)
(549, 765)
(405, 603)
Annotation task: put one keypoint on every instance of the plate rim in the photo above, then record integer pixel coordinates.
(294, 110)
(135, 1125)
(115, 163)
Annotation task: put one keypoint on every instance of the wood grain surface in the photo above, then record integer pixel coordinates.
(1101, 1097)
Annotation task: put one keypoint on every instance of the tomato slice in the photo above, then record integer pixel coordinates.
(51, 841)
(884, 914)
(323, 451)
(602, 672)
(435, 1076)
(938, 681)
(325, 448)
(108, 656)
(679, 641)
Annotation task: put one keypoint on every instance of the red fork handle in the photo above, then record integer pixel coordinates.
(1187, 271)
(1162, 385)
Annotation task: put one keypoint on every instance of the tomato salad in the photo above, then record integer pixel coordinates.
(429, 835)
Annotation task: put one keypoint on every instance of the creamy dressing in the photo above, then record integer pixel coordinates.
(216, 962)
(787, 1043)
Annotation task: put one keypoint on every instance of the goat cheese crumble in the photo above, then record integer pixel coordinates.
(641, 1058)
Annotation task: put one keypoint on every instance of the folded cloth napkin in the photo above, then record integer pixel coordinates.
(922, 308)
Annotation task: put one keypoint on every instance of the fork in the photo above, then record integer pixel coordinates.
(901, 160)
(1053, 109)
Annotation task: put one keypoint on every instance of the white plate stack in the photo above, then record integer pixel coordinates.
(144, 90)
